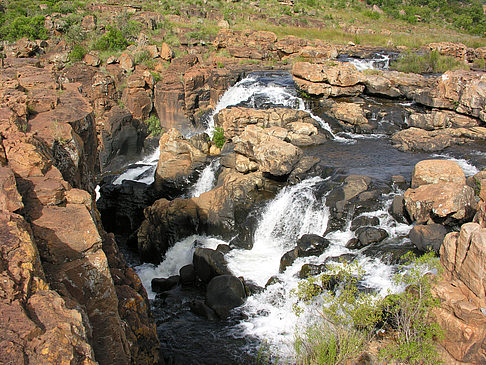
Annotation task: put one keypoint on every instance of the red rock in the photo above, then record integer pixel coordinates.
(126, 62)
(92, 59)
(10, 199)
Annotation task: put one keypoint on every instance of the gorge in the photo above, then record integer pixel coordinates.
(122, 246)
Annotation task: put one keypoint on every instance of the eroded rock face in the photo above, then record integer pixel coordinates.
(463, 294)
(271, 153)
(177, 163)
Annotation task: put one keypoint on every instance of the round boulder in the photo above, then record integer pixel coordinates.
(428, 237)
(224, 293)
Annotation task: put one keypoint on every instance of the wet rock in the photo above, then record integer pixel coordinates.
(447, 203)
(252, 288)
(224, 249)
(209, 264)
(273, 280)
(161, 285)
(428, 237)
(224, 293)
(307, 245)
(308, 270)
(166, 222)
(353, 244)
(187, 275)
(364, 221)
(398, 211)
(198, 307)
(346, 258)
(368, 235)
(437, 171)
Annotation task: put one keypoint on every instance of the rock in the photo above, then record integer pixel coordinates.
(92, 59)
(297, 122)
(10, 199)
(252, 288)
(166, 53)
(364, 220)
(139, 102)
(200, 308)
(178, 162)
(462, 293)
(272, 154)
(428, 237)
(447, 202)
(439, 119)
(166, 222)
(307, 245)
(161, 285)
(341, 74)
(187, 275)
(308, 270)
(224, 249)
(89, 22)
(355, 185)
(320, 53)
(415, 139)
(351, 115)
(247, 52)
(290, 44)
(127, 62)
(224, 293)
(369, 235)
(209, 264)
(437, 171)
(398, 211)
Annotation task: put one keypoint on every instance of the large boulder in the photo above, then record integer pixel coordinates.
(178, 162)
(224, 293)
(209, 264)
(428, 237)
(166, 222)
(272, 154)
(437, 171)
(440, 119)
(307, 245)
(447, 203)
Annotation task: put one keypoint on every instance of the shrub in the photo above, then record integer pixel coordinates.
(153, 126)
(111, 40)
(218, 137)
(410, 313)
(348, 317)
(23, 26)
(77, 53)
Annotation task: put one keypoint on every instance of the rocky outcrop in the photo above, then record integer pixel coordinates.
(462, 294)
(272, 155)
(178, 162)
(60, 298)
(415, 139)
(437, 171)
(294, 126)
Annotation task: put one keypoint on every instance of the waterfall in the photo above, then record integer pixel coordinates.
(206, 180)
(143, 171)
(258, 91)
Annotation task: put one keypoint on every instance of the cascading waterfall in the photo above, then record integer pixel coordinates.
(143, 171)
(206, 180)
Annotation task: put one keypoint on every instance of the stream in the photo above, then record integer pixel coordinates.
(265, 323)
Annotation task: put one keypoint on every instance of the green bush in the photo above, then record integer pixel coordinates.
(348, 317)
(218, 137)
(430, 62)
(153, 126)
(77, 53)
(113, 39)
(23, 26)
(410, 313)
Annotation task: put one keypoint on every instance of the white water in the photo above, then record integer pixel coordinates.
(251, 87)
(206, 180)
(144, 170)
(176, 257)
(467, 167)
(381, 62)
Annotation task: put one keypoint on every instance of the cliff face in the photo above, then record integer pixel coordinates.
(67, 295)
